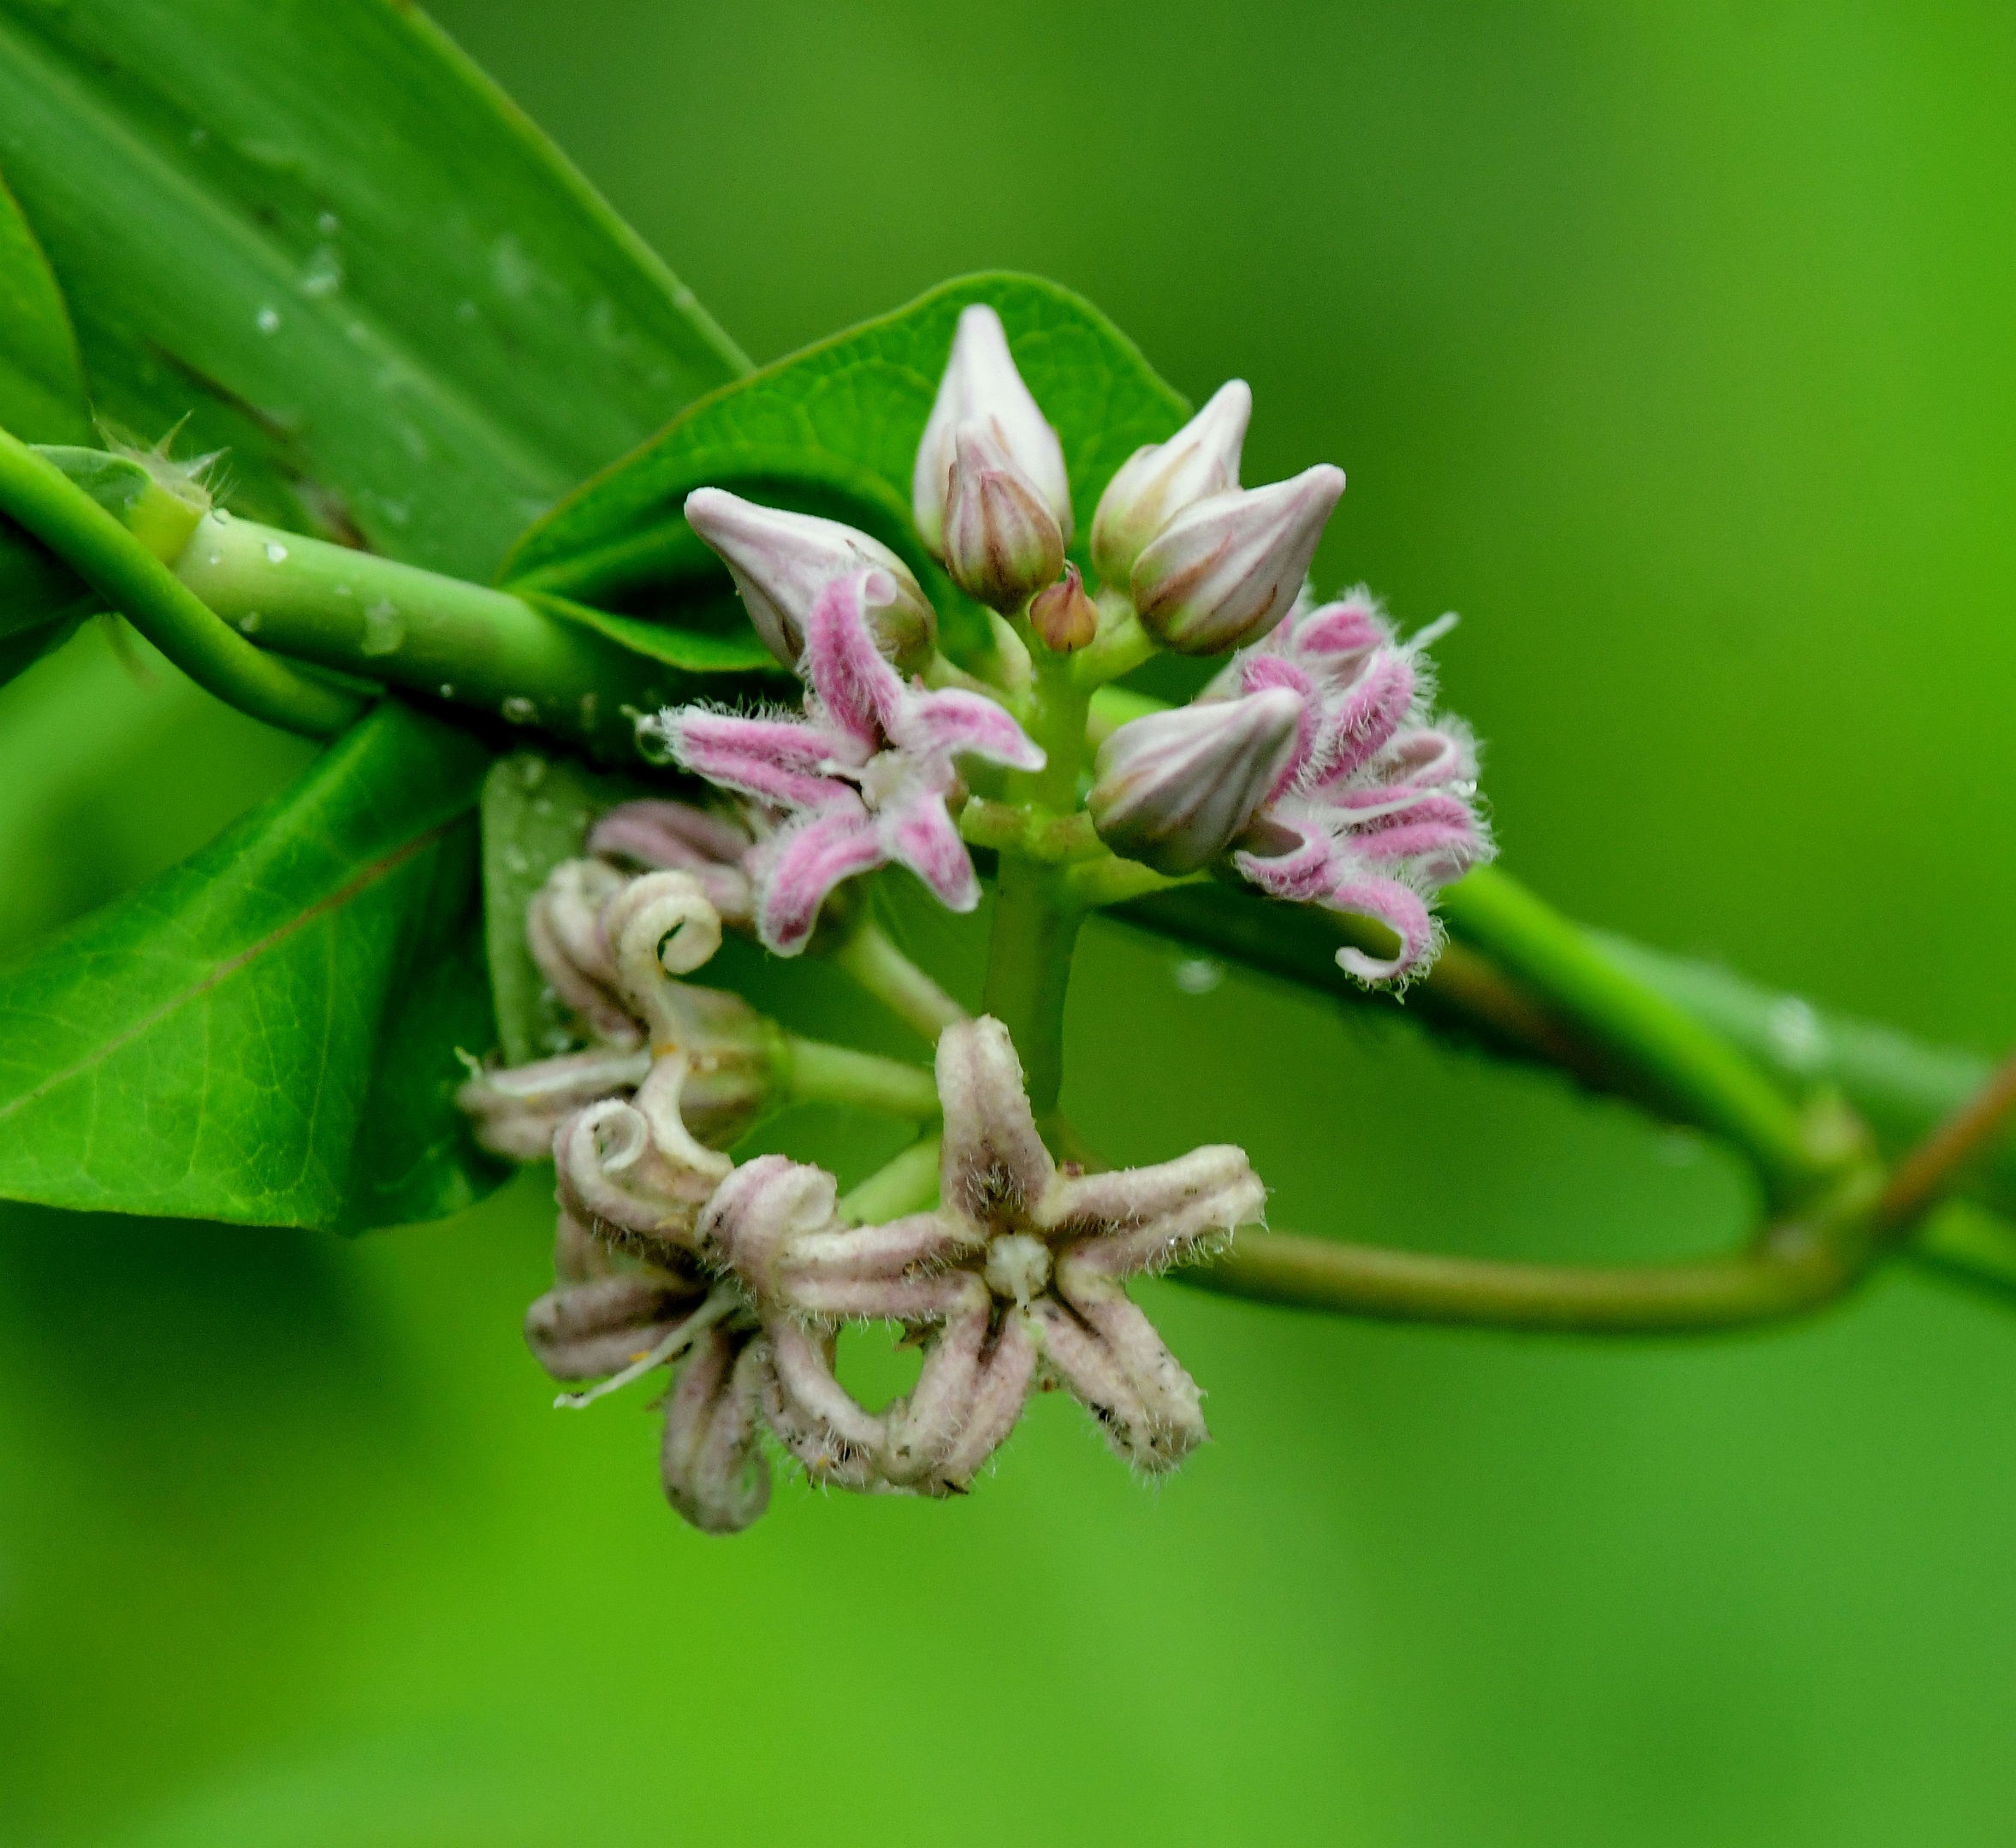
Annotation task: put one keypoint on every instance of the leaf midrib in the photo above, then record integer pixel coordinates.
(458, 403)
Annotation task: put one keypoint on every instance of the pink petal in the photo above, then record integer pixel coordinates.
(1400, 908)
(1437, 824)
(1258, 671)
(1302, 869)
(775, 760)
(1425, 757)
(956, 723)
(857, 687)
(919, 833)
(1359, 722)
(802, 864)
(1332, 636)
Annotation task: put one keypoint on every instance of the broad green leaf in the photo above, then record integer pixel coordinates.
(834, 428)
(42, 396)
(267, 1033)
(314, 228)
(693, 649)
(536, 813)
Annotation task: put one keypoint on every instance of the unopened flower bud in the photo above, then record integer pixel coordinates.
(1002, 543)
(781, 561)
(980, 385)
(1227, 569)
(1158, 482)
(1064, 616)
(1174, 790)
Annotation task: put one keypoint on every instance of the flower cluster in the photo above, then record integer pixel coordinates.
(1313, 766)
(666, 1253)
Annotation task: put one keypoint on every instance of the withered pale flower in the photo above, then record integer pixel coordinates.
(1020, 1263)
(662, 836)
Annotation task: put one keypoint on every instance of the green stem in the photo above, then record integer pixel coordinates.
(907, 1184)
(1789, 1276)
(424, 633)
(818, 1073)
(1901, 1086)
(1721, 1088)
(1121, 645)
(41, 498)
(1029, 972)
(867, 954)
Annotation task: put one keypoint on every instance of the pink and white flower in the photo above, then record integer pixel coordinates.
(1375, 808)
(862, 778)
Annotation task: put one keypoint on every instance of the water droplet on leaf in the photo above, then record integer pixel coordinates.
(384, 628)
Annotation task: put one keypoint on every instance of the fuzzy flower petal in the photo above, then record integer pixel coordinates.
(862, 777)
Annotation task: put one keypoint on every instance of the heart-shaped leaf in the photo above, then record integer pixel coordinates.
(834, 430)
(314, 228)
(267, 1033)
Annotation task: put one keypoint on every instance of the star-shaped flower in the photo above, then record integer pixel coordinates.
(1021, 1265)
(862, 776)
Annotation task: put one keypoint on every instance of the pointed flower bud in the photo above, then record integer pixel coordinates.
(781, 561)
(1064, 616)
(1158, 482)
(1227, 569)
(1002, 543)
(1176, 788)
(980, 385)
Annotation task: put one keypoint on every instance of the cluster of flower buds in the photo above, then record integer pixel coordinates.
(1315, 759)
(1207, 564)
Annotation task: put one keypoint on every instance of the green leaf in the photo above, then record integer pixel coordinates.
(536, 813)
(42, 396)
(316, 229)
(835, 429)
(738, 651)
(267, 1033)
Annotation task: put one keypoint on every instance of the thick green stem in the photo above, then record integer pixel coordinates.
(425, 633)
(818, 1073)
(907, 1184)
(1029, 972)
(867, 954)
(1724, 1090)
(41, 498)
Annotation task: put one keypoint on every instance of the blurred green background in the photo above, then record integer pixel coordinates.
(1671, 346)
